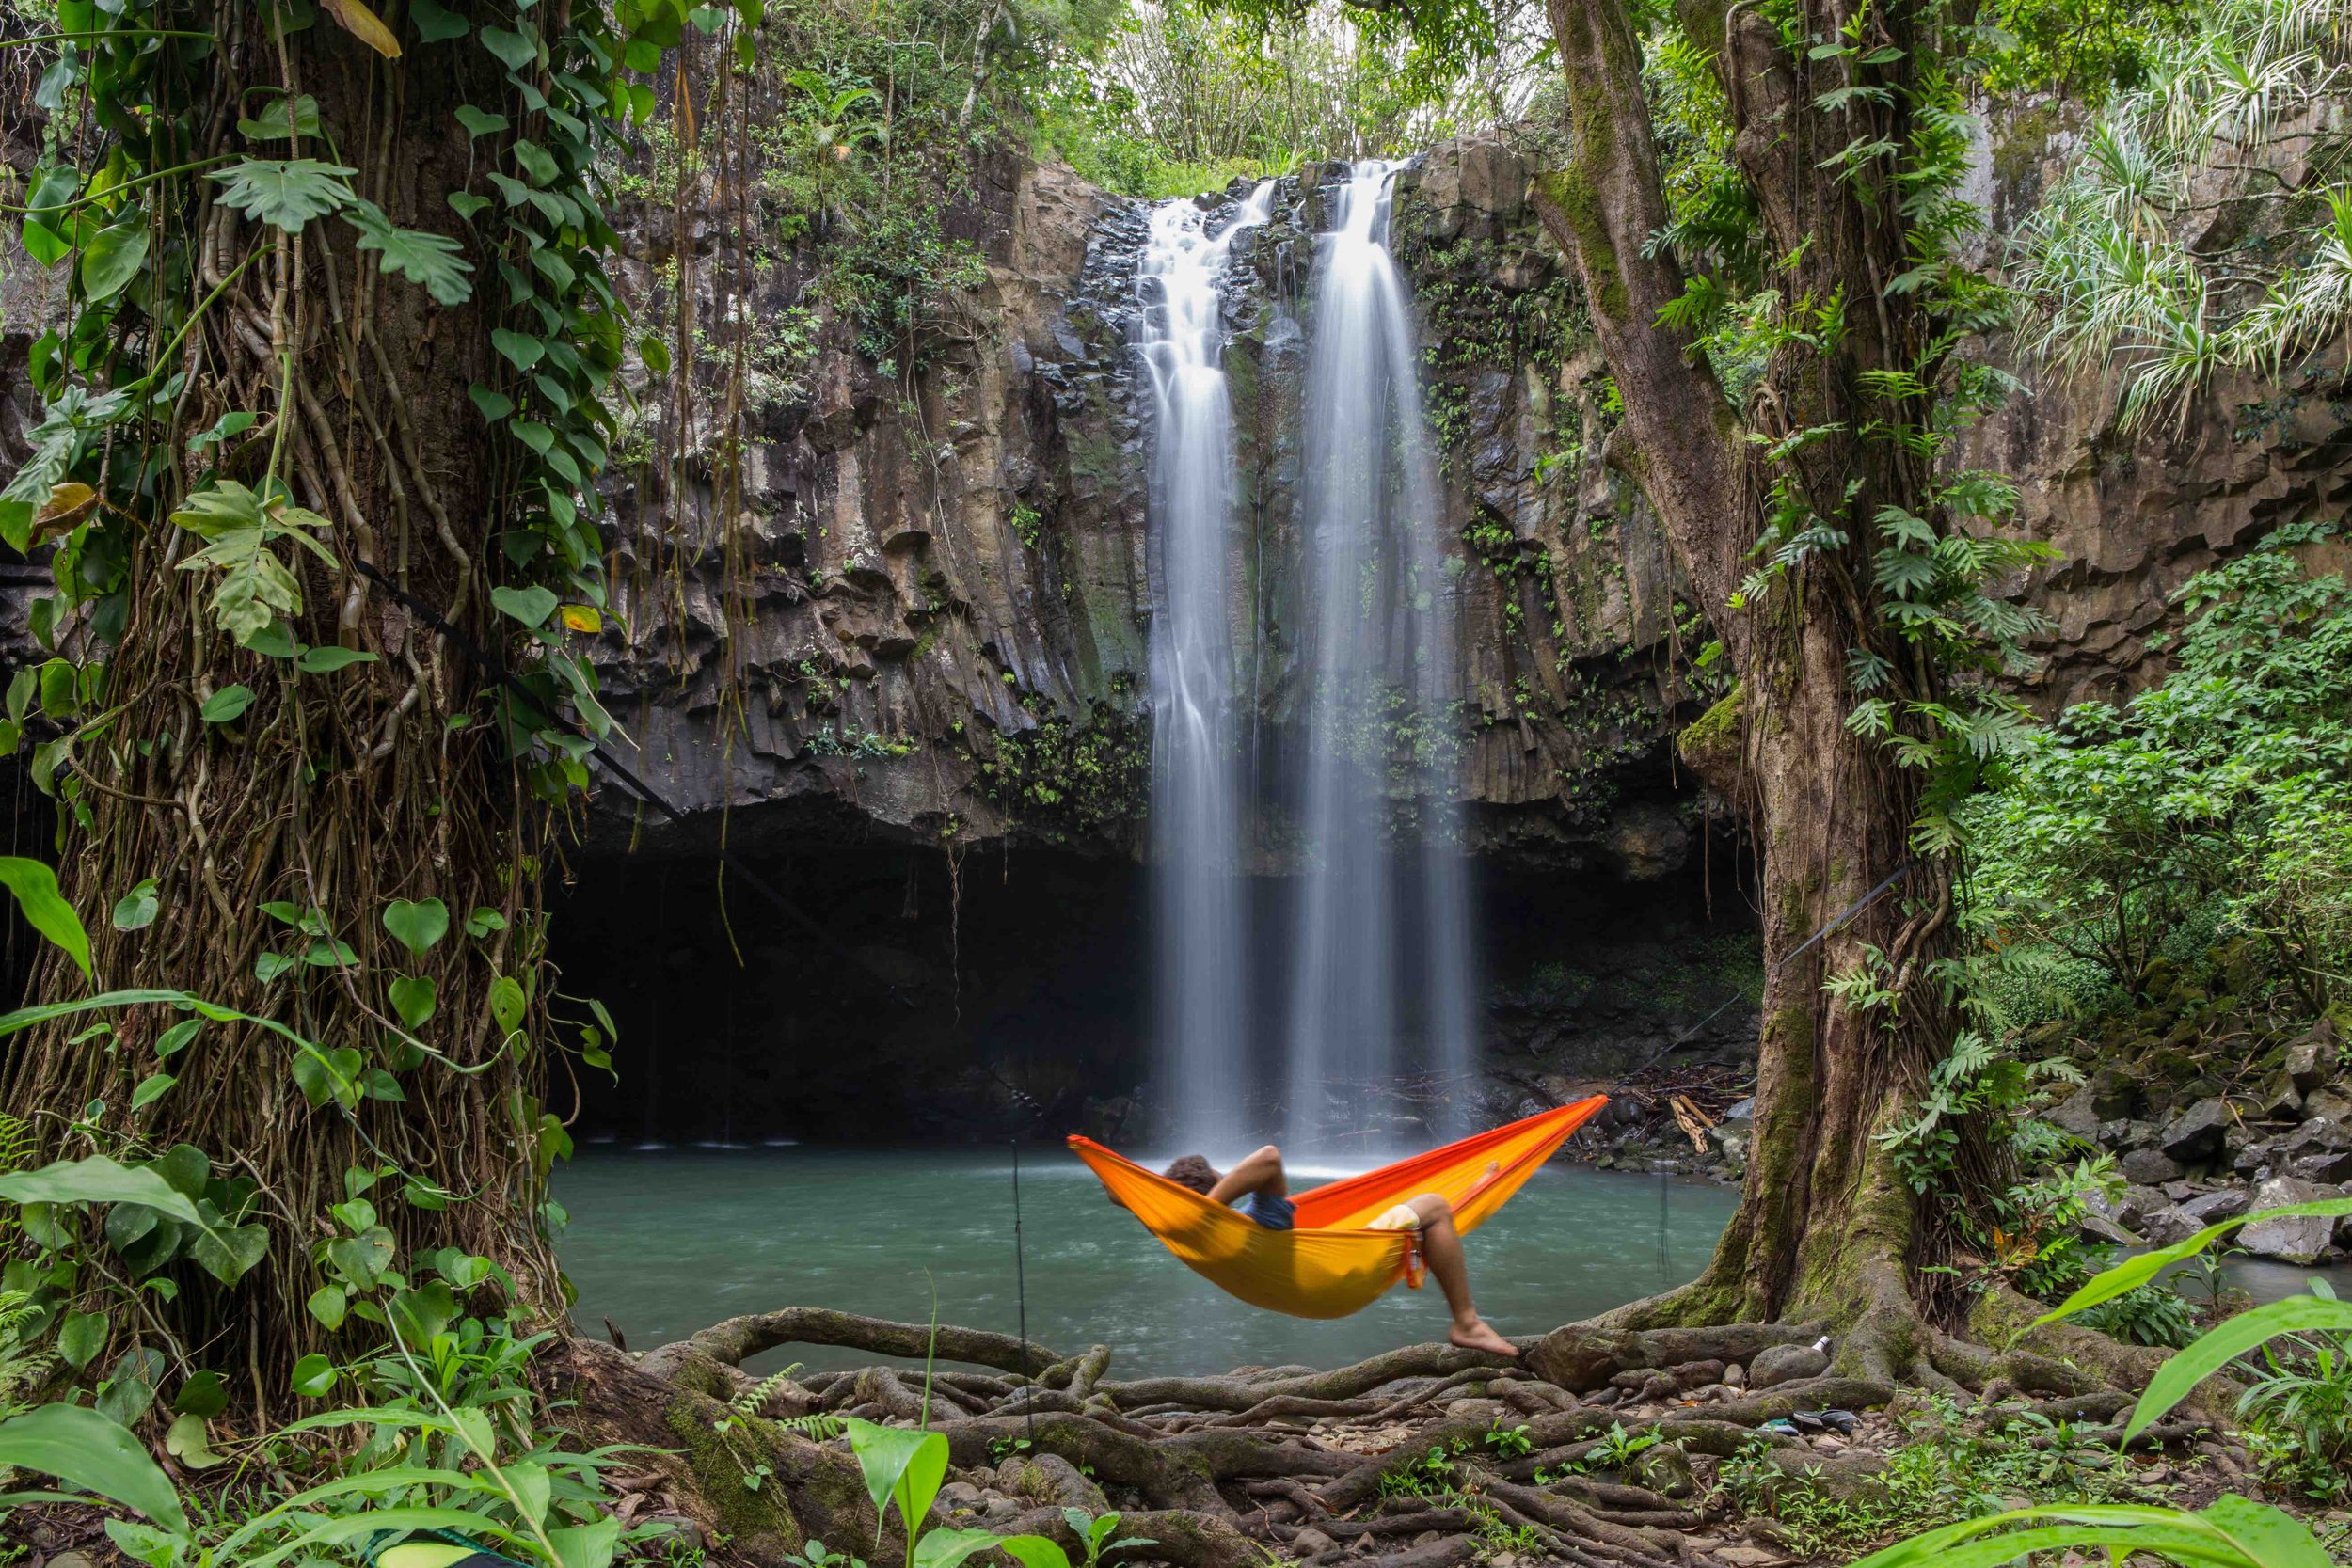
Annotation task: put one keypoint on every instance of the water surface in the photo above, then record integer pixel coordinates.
(664, 1243)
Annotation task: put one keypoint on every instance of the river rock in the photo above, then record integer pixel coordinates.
(2196, 1133)
(2147, 1167)
(2331, 1104)
(2299, 1239)
(2077, 1113)
(2326, 1167)
(1778, 1363)
(2309, 1060)
(2168, 1225)
(1310, 1541)
(2279, 1101)
(2227, 1203)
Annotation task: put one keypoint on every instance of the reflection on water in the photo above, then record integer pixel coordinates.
(665, 1242)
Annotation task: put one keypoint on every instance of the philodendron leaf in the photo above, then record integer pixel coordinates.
(413, 998)
(434, 23)
(186, 1441)
(135, 909)
(113, 258)
(82, 1337)
(285, 193)
(83, 1448)
(44, 908)
(227, 703)
(313, 1376)
(530, 605)
(417, 924)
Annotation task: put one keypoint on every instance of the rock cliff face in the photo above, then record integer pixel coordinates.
(937, 604)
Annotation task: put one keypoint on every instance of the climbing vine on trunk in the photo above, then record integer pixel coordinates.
(337, 349)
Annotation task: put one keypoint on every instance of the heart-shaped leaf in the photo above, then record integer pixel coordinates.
(413, 999)
(152, 1088)
(320, 661)
(186, 1441)
(417, 924)
(530, 605)
(507, 1003)
(329, 1305)
(203, 1394)
(82, 1337)
(228, 1253)
(135, 909)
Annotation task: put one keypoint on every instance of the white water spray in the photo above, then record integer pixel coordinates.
(1381, 983)
(1197, 821)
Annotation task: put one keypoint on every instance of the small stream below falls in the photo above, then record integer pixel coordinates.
(664, 1243)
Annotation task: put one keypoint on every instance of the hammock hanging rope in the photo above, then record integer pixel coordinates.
(1330, 1265)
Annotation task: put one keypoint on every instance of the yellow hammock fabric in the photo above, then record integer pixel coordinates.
(1332, 1266)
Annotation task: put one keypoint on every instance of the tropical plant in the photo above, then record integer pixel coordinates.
(2151, 1315)
(2211, 807)
(2300, 1396)
(2231, 1532)
(2204, 227)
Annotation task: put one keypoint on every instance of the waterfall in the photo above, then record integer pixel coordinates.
(1381, 978)
(1197, 821)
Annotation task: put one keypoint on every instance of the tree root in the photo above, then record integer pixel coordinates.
(737, 1340)
(1215, 1470)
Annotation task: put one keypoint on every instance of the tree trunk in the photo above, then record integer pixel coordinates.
(340, 796)
(1825, 1230)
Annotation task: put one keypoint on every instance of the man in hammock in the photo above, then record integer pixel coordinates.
(1257, 1190)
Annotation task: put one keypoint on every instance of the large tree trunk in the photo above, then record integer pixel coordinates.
(1824, 1229)
(337, 792)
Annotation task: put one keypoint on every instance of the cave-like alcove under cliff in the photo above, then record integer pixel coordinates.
(906, 1000)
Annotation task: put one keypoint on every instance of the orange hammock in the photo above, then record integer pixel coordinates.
(1332, 1266)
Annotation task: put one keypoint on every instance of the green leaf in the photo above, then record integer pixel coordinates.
(329, 1305)
(203, 1394)
(2134, 1272)
(185, 1169)
(85, 1449)
(135, 909)
(152, 1088)
(362, 1258)
(113, 258)
(44, 231)
(478, 122)
(282, 116)
(226, 704)
(228, 1253)
(507, 1003)
(1038, 1551)
(900, 1466)
(946, 1549)
(468, 205)
(2225, 1343)
(178, 1036)
(44, 908)
(95, 1178)
(313, 1376)
(185, 1440)
(431, 261)
(494, 405)
(417, 924)
(655, 352)
(520, 351)
(326, 660)
(285, 193)
(81, 1338)
(513, 50)
(484, 921)
(413, 999)
(436, 25)
(537, 162)
(530, 605)
(538, 437)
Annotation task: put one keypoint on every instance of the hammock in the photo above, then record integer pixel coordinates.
(1332, 1266)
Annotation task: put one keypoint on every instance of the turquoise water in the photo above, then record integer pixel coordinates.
(664, 1243)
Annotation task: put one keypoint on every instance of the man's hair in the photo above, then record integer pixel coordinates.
(1193, 1171)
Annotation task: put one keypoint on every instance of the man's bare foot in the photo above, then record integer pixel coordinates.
(1477, 1336)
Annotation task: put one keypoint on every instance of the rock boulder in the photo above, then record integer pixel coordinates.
(2196, 1133)
(2299, 1239)
(1779, 1364)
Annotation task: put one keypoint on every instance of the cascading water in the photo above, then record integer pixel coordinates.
(1195, 779)
(1381, 978)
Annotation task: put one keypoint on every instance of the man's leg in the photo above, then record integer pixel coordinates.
(1261, 1172)
(1441, 1250)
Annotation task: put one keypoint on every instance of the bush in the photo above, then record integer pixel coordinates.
(2211, 809)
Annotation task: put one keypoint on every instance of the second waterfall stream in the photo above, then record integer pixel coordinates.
(1303, 1015)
